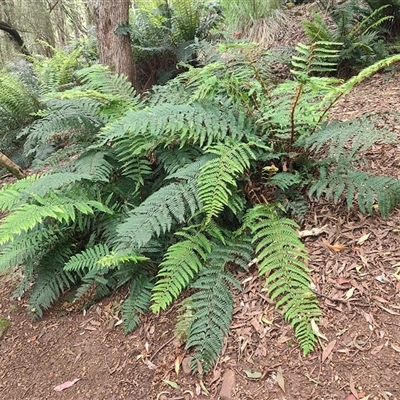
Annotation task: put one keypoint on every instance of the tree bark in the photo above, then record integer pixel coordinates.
(10, 166)
(114, 50)
(15, 36)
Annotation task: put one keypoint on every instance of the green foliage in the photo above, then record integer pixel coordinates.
(180, 189)
(138, 302)
(256, 20)
(165, 33)
(212, 306)
(281, 257)
(56, 72)
(18, 104)
(360, 30)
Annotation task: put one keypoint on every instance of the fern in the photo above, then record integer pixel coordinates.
(25, 248)
(281, 256)
(181, 262)
(63, 120)
(320, 57)
(369, 190)
(195, 124)
(212, 307)
(26, 216)
(18, 102)
(170, 205)
(137, 302)
(347, 139)
(51, 280)
(88, 259)
(218, 177)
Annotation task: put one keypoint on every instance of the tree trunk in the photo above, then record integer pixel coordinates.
(10, 166)
(114, 50)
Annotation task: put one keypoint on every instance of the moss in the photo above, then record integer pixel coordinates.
(4, 325)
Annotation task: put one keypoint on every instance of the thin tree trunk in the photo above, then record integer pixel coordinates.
(10, 166)
(114, 50)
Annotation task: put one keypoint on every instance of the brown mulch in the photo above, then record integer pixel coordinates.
(355, 267)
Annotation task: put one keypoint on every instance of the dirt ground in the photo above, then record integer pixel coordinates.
(355, 266)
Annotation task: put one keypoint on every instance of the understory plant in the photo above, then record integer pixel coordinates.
(359, 27)
(203, 177)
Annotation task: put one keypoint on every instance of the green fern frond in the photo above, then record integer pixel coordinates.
(285, 180)
(176, 124)
(218, 176)
(10, 195)
(60, 208)
(281, 255)
(51, 281)
(175, 158)
(87, 259)
(317, 29)
(320, 57)
(138, 302)
(57, 71)
(25, 248)
(181, 262)
(367, 189)
(347, 139)
(100, 79)
(94, 164)
(212, 306)
(172, 204)
(63, 120)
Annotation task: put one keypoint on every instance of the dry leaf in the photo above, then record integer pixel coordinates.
(350, 397)
(252, 375)
(316, 330)
(363, 238)
(349, 293)
(280, 379)
(377, 349)
(342, 280)
(380, 299)
(66, 385)
(171, 383)
(353, 387)
(328, 350)
(395, 347)
(177, 364)
(334, 247)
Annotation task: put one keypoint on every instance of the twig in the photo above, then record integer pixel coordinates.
(160, 348)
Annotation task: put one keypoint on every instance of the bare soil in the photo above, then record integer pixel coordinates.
(355, 266)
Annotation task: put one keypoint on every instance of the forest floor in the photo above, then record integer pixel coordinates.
(355, 265)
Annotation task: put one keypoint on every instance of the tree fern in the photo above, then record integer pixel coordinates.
(281, 257)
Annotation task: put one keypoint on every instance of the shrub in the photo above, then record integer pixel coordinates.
(180, 189)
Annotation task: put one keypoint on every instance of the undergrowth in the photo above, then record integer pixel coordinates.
(181, 189)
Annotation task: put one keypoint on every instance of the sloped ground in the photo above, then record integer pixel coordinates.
(355, 265)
